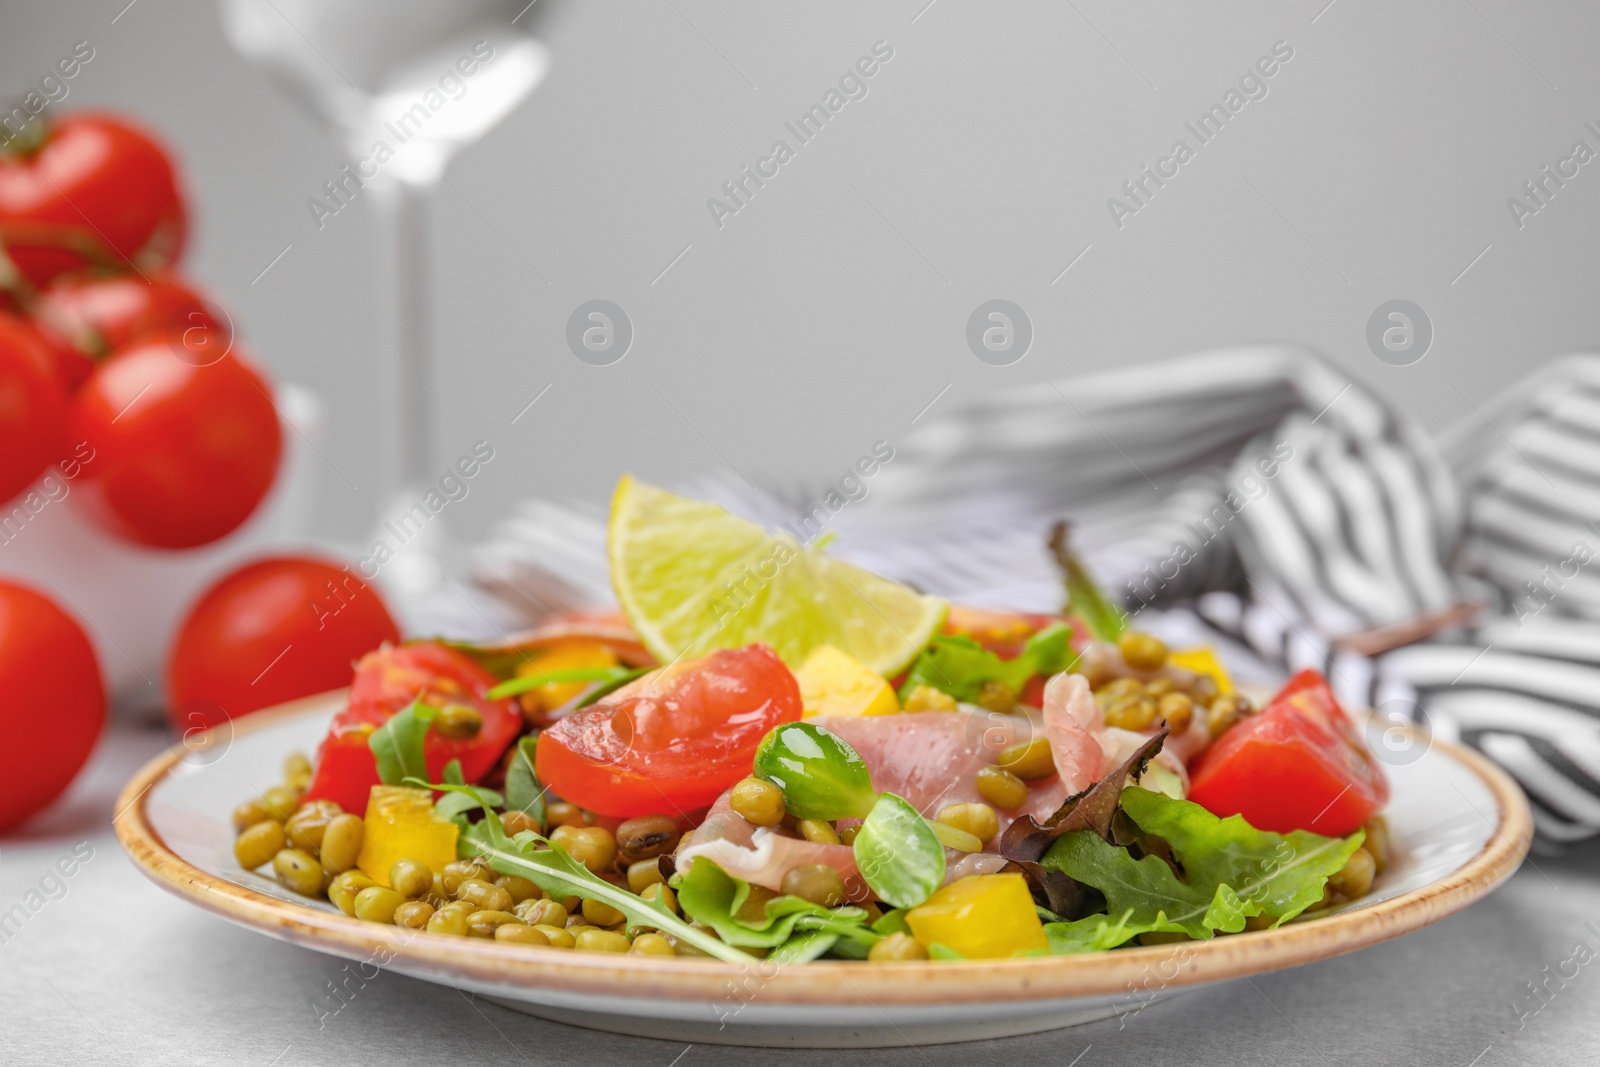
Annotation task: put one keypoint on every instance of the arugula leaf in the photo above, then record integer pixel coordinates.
(956, 664)
(524, 683)
(523, 791)
(712, 896)
(1233, 872)
(1105, 620)
(452, 804)
(397, 744)
(558, 874)
(600, 690)
(500, 662)
(937, 951)
(898, 853)
(452, 773)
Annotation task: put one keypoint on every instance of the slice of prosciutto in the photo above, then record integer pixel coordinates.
(931, 759)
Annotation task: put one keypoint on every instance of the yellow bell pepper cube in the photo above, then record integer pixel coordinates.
(400, 824)
(927, 698)
(566, 655)
(835, 683)
(982, 916)
(1203, 661)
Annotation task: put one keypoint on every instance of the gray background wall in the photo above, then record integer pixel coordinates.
(833, 308)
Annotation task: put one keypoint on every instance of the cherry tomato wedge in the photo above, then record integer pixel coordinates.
(1300, 764)
(390, 679)
(672, 741)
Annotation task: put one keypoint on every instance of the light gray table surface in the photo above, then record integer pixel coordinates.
(116, 971)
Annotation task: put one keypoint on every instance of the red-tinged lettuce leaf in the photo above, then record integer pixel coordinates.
(1094, 809)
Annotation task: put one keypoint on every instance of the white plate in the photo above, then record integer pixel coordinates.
(1459, 828)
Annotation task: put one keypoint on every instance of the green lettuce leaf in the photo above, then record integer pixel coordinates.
(1095, 933)
(1231, 872)
(1146, 891)
(959, 666)
(712, 896)
(898, 853)
(523, 791)
(803, 947)
(1279, 875)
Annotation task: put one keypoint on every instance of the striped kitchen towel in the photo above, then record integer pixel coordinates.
(1258, 500)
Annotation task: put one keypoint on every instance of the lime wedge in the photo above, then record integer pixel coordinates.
(691, 578)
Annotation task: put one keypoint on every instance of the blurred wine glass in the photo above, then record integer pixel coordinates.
(395, 73)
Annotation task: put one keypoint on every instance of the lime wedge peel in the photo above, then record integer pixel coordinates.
(691, 577)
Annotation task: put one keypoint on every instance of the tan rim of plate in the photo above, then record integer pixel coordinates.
(827, 982)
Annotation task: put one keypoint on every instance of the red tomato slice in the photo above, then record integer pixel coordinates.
(1299, 765)
(388, 680)
(672, 741)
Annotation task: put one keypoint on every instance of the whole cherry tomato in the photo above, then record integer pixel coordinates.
(95, 190)
(273, 630)
(73, 365)
(1299, 765)
(54, 701)
(183, 453)
(89, 316)
(671, 742)
(33, 407)
(388, 680)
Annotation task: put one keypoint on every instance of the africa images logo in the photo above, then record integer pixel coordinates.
(852, 85)
(1252, 85)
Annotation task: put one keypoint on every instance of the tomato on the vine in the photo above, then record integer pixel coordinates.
(271, 631)
(92, 190)
(183, 453)
(672, 741)
(92, 315)
(33, 407)
(385, 682)
(54, 701)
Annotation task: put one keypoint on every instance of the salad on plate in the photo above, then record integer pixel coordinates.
(771, 753)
